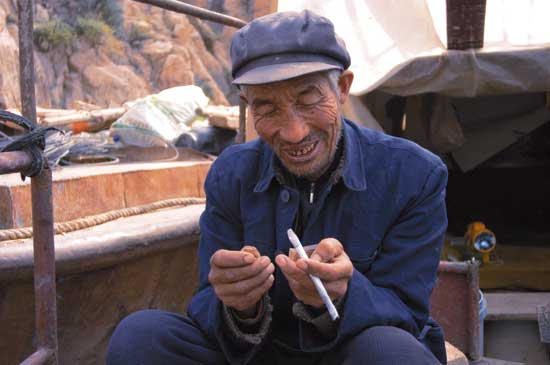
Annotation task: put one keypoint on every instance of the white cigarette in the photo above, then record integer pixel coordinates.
(316, 281)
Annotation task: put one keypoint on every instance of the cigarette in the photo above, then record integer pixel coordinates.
(316, 281)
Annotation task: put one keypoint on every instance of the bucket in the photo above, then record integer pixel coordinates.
(482, 315)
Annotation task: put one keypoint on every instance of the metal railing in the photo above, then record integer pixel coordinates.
(41, 185)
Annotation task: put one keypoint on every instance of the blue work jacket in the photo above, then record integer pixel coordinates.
(387, 209)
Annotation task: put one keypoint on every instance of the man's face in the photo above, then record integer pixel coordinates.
(300, 120)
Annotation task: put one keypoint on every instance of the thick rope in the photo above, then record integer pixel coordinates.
(33, 142)
(94, 220)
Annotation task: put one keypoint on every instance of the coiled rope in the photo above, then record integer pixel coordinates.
(94, 220)
(33, 142)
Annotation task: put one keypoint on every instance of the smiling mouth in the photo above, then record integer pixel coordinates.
(302, 152)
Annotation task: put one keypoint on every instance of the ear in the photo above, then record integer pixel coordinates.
(344, 84)
(242, 96)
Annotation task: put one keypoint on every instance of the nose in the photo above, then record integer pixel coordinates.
(295, 129)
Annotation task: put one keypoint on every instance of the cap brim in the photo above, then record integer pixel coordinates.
(281, 72)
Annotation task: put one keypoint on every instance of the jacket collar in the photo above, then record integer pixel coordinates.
(353, 172)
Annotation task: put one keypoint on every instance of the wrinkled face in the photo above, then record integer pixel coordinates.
(300, 120)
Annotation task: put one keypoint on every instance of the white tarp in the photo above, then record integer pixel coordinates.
(400, 46)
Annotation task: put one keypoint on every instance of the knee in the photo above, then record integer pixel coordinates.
(133, 334)
(388, 345)
(138, 326)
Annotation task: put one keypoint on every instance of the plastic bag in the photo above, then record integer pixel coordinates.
(158, 120)
(181, 102)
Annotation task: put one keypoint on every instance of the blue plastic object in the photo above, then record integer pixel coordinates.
(482, 315)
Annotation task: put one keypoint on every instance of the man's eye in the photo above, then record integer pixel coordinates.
(309, 99)
(266, 110)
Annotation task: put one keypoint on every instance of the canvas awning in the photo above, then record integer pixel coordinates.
(399, 46)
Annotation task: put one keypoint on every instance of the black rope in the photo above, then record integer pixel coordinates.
(33, 142)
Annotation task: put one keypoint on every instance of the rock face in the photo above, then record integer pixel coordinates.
(150, 49)
(9, 65)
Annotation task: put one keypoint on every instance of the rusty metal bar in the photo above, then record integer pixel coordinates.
(42, 208)
(26, 59)
(40, 357)
(473, 297)
(181, 7)
(458, 288)
(44, 262)
(454, 267)
(14, 162)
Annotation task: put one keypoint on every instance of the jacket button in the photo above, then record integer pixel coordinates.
(285, 196)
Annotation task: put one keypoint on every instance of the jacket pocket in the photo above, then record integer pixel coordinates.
(362, 255)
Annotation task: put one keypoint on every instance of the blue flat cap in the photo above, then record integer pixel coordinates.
(285, 45)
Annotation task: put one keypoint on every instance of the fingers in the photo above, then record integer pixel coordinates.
(252, 250)
(307, 293)
(241, 278)
(289, 268)
(328, 262)
(249, 299)
(340, 268)
(327, 250)
(293, 254)
(227, 258)
(227, 275)
(244, 286)
(298, 280)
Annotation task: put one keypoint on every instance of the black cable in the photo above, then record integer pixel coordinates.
(34, 142)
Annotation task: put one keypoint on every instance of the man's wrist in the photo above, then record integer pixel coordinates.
(245, 332)
(249, 314)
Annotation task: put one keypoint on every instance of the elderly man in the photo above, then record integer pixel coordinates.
(372, 206)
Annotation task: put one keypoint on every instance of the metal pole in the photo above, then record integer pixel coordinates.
(42, 208)
(181, 7)
(14, 162)
(44, 263)
(26, 59)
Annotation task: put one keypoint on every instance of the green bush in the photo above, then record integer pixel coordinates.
(94, 30)
(51, 34)
(136, 35)
(111, 12)
(11, 19)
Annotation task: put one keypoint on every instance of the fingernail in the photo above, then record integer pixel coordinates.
(248, 259)
(316, 257)
(281, 260)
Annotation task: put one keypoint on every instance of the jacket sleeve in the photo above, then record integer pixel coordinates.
(396, 288)
(220, 229)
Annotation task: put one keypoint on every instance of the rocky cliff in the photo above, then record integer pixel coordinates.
(107, 52)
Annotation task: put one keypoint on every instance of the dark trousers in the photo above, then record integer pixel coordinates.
(153, 337)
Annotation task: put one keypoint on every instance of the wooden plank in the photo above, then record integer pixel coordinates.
(87, 190)
(514, 305)
(517, 266)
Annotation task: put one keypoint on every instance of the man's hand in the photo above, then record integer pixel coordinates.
(328, 261)
(241, 278)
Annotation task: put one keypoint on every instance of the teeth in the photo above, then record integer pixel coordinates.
(303, 151)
